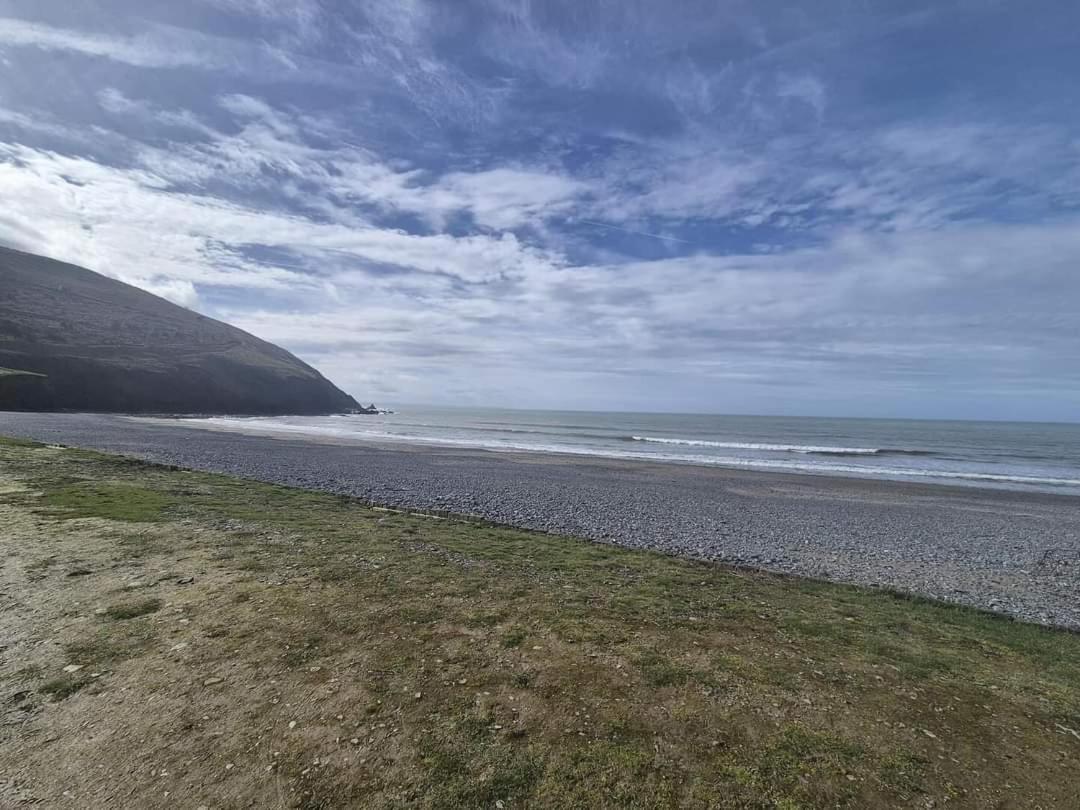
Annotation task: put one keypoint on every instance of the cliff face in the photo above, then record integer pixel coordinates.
(107, 346)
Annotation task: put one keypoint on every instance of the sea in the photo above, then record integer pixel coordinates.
(1009, 455)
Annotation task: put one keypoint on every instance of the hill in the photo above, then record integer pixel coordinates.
(71, 339)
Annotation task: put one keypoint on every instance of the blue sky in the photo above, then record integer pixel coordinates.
(850, 208)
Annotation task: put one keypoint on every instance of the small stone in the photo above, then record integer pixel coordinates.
(212, 681)
(229, 766)
(73, 668)
(292, 724)
(417, 695)
(355, 740)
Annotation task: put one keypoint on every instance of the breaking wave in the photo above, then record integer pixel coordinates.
(802, 449)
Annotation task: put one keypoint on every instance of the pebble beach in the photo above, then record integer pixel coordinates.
(1016, 553)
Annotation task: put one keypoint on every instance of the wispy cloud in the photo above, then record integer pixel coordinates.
(143, 50)
(804, 88)
(596, 204)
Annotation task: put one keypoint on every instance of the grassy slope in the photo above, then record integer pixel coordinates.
(108, 346)
(381, 659)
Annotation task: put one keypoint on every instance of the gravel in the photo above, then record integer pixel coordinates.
(1016, 553)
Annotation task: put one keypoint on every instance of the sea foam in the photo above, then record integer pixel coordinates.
(788, 448)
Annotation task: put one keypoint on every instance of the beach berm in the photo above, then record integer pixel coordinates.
(182, 639)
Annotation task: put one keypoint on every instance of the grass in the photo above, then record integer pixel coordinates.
(12, 441)
(64, 687)
(126, 502)
(132, 610)
(438, 663)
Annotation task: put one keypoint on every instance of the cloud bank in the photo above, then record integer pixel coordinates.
(710, 207)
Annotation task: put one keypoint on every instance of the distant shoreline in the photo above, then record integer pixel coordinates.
(252, 426)
(1013, 552)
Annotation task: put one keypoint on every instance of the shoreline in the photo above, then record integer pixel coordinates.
(960, 485)
(1008, 551)
(946, 478)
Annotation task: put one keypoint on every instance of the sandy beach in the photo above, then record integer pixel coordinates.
(1015, 553)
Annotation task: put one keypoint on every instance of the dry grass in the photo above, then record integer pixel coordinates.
(330, 655)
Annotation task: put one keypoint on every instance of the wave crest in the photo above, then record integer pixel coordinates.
(785, 448)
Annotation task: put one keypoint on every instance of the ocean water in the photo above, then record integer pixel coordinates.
(1014, 455)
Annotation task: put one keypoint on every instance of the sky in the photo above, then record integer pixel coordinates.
(831, 208)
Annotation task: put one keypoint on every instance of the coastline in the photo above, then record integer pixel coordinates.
(932, 481)
(1016, 553)
(953, 460)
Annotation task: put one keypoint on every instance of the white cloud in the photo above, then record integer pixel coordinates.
(446, 218)
(856, 311)
(179, 292)
(504, 198)
(99, 216)
(115, 102)
(861, 306)
(805, 88)
(168, 47)
(679, 181)
(142, 50)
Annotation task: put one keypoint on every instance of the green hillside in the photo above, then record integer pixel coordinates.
(71, 339)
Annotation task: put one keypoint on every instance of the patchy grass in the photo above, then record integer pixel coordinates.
(110, 644)
(64, 687)
(108, 500)
(132, 610)
(514, 638)
(336, 655)
(12, 441)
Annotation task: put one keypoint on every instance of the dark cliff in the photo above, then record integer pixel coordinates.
(107, 346)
